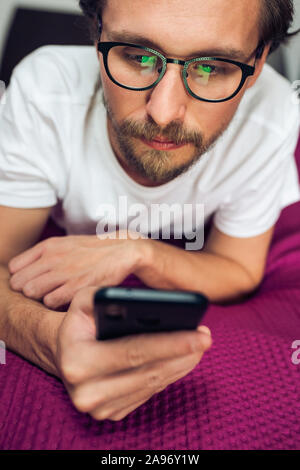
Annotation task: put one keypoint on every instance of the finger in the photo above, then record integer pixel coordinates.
(40, 286)
(122, 389)
(25, 258)
(138, 387)
(101, 414)
(125, 412)
(136, 350)
(107, 357)
(112, 356)
(65, 293)
(27, 274)
(83, 300)
(204, 329)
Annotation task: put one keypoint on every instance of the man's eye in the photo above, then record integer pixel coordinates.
(144, 60)
(206, 68)
(149, 60)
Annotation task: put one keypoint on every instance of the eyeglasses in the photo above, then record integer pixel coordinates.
(140, 68)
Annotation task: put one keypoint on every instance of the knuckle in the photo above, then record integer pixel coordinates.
(191, 345)
(85, 401)
(153, 380)
(96, 400)
(13, 282)
(81, 403)
(184, 344)
(49, 244)
(134, 354)
(29, 290)
(101, 414)
(72, 374)
(49, 301)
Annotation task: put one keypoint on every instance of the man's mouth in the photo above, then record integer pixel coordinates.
(162, 144)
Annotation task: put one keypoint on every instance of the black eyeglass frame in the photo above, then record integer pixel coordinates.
(247, 70)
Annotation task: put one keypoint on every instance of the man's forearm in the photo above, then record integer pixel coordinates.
(169, 267)
(27, 327)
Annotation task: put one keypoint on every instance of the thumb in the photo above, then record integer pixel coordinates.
(206, 336)
(204, 329)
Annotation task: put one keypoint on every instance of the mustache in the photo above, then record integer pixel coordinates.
(174, 132)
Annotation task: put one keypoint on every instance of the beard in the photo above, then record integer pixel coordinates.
(158, 166)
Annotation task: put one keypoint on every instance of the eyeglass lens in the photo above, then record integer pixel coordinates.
(139, 68)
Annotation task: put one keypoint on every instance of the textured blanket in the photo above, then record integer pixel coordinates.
(244, 394)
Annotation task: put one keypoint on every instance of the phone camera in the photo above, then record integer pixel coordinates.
(116, 312)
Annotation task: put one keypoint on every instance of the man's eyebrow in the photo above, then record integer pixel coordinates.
(226, 52)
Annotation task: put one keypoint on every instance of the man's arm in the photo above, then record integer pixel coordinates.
(106, 379)
(226, 269)
(26, 326)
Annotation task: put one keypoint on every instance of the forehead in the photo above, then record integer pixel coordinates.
(183, 26)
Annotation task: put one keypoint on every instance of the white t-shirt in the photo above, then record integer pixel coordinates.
(51, 155)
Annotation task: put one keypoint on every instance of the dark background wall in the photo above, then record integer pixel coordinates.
(31, 29)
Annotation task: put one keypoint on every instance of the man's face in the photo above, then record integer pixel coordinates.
(167, 111)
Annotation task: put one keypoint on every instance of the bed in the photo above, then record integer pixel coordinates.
(244, 394)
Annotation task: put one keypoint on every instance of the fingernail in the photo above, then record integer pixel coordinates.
(204, 329)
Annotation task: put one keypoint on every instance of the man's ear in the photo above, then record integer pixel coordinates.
(259, 66)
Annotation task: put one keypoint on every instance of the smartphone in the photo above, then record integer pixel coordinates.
(127, 311)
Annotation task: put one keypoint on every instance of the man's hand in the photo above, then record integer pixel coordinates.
(109, 379)
(56, 268)
(225, 270)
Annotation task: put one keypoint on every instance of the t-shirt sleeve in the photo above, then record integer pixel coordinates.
(256, 205)
(31, 154)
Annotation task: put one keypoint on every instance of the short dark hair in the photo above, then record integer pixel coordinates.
(274, 23)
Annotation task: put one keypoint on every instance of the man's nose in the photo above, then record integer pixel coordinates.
(168, 99)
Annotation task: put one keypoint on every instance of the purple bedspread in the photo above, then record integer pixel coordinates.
(244, 394)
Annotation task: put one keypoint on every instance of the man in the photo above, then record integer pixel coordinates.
(191, 115)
